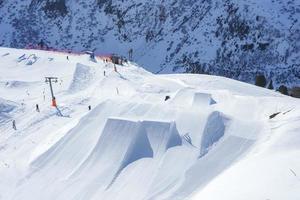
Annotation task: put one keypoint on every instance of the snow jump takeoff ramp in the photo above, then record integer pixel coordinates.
(202, 99)
(82, 78)
(121, 142)
(191, 98)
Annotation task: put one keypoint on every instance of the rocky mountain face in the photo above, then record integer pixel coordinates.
(236, 39)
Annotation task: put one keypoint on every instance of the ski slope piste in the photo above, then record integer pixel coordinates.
(212, 139)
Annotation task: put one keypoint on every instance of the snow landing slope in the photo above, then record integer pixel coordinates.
(212, 139)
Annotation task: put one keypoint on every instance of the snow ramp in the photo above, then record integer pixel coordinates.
(82, 78)
(202, 99)
(218, 159)
(162, 135)
(6, 107)
(123, 142)
(90, 158)
(189, 97)
(214, 130)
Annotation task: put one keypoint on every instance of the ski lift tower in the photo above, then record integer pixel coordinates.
(51, 80)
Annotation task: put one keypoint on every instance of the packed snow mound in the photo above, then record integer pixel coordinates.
(162, 135)
(217, 160)
(121, 143)
(82, 78)
(213, 131)
(202, 99)
(191, 97)
(115, 135)
(7, 106)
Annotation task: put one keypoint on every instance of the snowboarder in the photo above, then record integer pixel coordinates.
(167, 98)
(90, 107)
(14, 125)
(37, 109)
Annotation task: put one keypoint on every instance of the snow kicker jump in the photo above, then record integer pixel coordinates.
(134, 135)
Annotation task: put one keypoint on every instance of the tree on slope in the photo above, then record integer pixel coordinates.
(260, 81)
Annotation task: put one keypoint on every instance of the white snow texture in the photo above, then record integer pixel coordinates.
(213, 139)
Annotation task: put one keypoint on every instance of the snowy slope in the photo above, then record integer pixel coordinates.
(212, 139)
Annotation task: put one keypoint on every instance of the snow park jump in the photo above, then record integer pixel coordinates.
(113, 134)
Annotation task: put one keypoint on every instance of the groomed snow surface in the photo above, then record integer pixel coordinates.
(211, 140)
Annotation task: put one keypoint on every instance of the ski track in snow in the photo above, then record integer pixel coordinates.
(212, 139)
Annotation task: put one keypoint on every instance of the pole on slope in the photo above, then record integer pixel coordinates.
(115, 68)
(51, 80)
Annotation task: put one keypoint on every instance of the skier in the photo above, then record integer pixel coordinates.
(67, 57)
(37, 108)
(14, 125)
(104, 73)
(90, 107)
(167, 98)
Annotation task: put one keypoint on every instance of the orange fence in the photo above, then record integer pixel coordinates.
(106, 57)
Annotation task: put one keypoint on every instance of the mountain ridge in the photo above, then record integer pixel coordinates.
(229, 38)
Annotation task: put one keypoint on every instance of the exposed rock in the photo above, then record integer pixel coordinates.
(236, 39)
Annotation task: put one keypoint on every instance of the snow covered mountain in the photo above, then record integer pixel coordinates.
(215, 138)
(236, 39)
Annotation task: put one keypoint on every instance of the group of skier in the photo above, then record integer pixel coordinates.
(92, 56)
(37, 109)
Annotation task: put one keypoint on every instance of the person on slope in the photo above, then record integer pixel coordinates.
(37, 109)
(167, 98)
(14, 125)
(41, 44)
